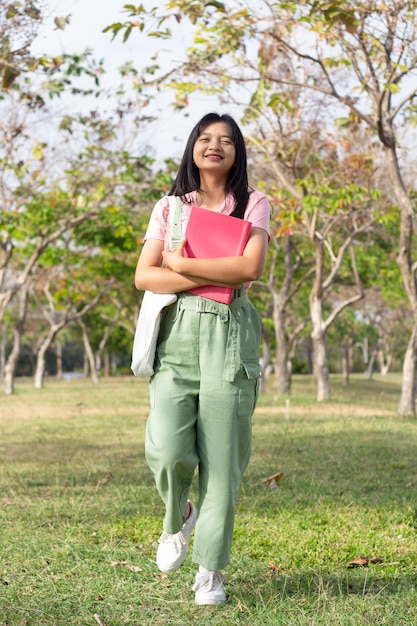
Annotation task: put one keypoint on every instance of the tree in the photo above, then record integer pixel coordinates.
(362, 56)
(10, 366)
(19, 23)
(71, 313)
(35, 212)
(80, 191)
(376, 45)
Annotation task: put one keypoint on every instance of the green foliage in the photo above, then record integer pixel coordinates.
(325, 15)
(328, 188)
(138, 13)
(140, 18)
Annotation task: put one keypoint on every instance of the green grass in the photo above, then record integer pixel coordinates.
(80, 517)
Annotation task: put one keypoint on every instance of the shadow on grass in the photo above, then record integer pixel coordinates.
(359, 582)
(373, 464)
(362, 460)
(74, 461)
(378, 391)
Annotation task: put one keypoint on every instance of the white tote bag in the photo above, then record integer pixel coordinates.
(149, 320)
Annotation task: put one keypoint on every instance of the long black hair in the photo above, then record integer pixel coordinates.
(188, 176)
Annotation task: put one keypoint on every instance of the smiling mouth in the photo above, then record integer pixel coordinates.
(215, 157)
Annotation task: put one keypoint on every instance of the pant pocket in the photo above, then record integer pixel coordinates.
(249, 388)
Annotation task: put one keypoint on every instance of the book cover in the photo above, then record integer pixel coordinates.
(212, 235)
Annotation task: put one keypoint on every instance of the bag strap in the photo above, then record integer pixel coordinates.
(174, 221)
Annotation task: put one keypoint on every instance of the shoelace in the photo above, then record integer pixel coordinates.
(212, 579)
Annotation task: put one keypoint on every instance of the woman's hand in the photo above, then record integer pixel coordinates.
(150, 275)
(173, 259)
(226, 270)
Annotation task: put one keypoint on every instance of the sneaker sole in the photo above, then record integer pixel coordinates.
(210, 602)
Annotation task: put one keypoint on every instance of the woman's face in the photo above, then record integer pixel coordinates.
(214, 150)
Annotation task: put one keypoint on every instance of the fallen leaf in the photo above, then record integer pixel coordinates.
(132, 568)
(358, 561)
(275, 568)
(376, 559)
(364, 561)
(271, 481)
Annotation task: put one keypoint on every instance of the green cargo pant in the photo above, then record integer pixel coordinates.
(203, 395)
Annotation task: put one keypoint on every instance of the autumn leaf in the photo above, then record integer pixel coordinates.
(364, 561)
(275, 568)
(272, 480)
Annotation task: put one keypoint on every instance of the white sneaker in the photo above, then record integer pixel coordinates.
(208, 587)
(173, 548)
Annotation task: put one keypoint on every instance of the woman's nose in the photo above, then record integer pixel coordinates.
(214, 143)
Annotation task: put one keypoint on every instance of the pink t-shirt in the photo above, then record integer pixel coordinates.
(257, 212)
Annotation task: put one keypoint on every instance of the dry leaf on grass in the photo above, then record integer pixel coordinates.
(132, 568)
(275, 568)
(364, 561)
(271, 481)
(376, 559)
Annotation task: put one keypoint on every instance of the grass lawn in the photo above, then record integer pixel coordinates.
(80, 517)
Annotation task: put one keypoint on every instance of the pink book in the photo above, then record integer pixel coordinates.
(213, 235)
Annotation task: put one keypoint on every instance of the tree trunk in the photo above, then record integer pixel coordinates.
(11, 364)
(281, 363)
(3, 343)
(10, 367)
(280, 301)
(55, 328)
(407, 402)
(370, 366)
(384, 363)
(86, 366)
(41, 356)
(407, 405)
(265, 359)
(321, 367)
(320, 360)
(103, 343)
(40, 364)
(89, 355)
(58, 353)
(351, 354)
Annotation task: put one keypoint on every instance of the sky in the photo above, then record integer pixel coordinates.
(87, 18)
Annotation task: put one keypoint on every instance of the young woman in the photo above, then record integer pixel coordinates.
(206, 372)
